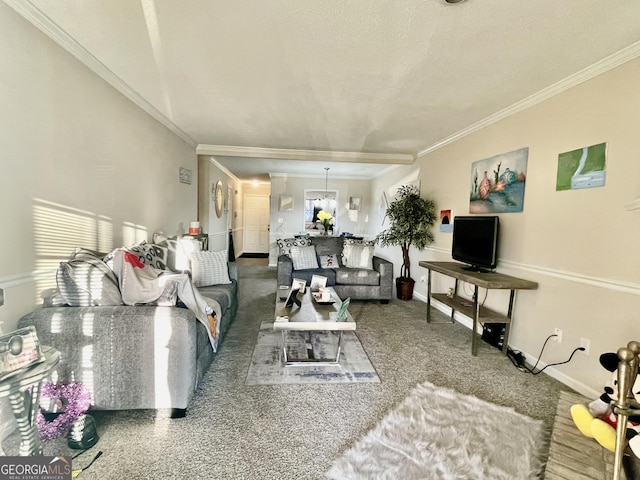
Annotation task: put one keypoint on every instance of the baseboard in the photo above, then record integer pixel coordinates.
(531, 359)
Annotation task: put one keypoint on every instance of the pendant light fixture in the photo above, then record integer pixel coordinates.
(326, 202)
(326, 181)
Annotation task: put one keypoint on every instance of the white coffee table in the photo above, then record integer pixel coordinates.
(310, 317)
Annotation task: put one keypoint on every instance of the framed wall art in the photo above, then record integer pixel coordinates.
(582, 168)
(497, 183)
(184, 175)
(285, 203)
(355, 202)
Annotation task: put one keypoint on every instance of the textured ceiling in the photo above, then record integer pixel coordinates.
(377, 76)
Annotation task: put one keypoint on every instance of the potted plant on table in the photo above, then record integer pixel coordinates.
(411, 218)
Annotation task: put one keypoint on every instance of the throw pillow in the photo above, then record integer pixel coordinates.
(328, 261)
(179, 251)
(209, 268)
(358, 254)
(85, 280)
(150, 254)
(304, 258)
(285, 244)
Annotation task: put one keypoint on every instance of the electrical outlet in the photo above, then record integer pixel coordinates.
(586, 344)
(558, 335)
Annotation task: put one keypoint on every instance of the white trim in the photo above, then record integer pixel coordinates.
(617, 285)
(18, 279)
(379, 173)
(592, 71)
(66, 41)
(440, 250)
(224, 169)
(218, 234)
(620, 286)
(298, 154)
(552, 372)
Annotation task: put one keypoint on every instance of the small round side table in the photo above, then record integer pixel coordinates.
(24, 403)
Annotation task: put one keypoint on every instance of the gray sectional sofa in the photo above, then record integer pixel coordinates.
(134, 357)
(361, 283)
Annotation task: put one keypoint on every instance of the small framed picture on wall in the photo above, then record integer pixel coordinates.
(286, 203)
(355, 202)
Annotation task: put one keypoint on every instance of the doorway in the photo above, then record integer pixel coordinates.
(256, 224)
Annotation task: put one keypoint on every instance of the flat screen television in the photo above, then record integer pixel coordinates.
(475, 241)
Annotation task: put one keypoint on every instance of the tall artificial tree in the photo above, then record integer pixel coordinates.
(411, 218)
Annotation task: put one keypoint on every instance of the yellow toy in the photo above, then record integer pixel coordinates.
(598, 421)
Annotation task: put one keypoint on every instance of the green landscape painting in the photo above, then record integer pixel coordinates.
(582, 168)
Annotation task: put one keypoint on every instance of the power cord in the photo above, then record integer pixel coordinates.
(517, 358)
(78, 471)
(558, 363)
(473, 293)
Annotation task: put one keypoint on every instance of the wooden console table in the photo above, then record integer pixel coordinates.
(472, 308)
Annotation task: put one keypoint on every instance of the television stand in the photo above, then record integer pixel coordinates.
(472, 308)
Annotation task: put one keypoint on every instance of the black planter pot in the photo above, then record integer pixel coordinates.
(404, 288)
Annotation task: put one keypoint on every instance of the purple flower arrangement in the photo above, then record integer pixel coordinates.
(75, 400)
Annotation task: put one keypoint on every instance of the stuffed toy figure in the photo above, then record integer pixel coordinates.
(598, 421)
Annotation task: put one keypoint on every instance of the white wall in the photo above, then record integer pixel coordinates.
(580, 246)
(293, 222)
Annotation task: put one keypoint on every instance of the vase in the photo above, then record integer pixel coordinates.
(485, 187)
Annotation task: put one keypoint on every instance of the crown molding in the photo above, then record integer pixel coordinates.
(379, 173)
(612, 61)
(297, 154)
(224, 169)
(62, 38)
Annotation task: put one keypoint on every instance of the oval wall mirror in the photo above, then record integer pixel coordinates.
(217, 196)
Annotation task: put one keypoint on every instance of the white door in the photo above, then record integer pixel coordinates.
(256, 224)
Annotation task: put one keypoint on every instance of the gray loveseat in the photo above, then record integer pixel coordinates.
(357, 283)
(134, 357)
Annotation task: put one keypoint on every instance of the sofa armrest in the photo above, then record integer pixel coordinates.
(385, 269)
(285, 270)
(233, 271)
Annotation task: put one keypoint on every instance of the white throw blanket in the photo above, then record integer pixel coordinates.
(143, 284)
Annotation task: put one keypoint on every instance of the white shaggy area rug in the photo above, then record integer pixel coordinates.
(437, 433)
